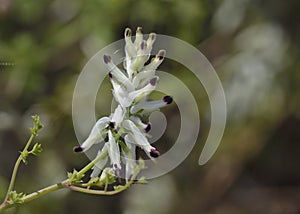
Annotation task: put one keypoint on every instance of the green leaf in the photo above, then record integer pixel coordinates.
(15, 198)
(142, 180)
(74, 177)
(37, 149)
(94, 182)
(37, 125)
(24, 156)
(118, 187)
(107, 176)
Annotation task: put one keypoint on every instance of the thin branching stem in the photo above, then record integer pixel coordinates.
(66, 184)
(15, 171)
(104, 192)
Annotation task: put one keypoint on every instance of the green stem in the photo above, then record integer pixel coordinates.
(100, 192)
(16, 168)
(106, 184)
(92, 163)
(4, 206)
(104, 192)
(64, 184)
(5, 203)
(44, 191)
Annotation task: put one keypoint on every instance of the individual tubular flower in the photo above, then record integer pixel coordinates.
(139, 123)
(95, 135)
(138, 138)
(118, 116)
(117, 73)
(114, 152)
(124, 129)
(129, 158)
(145, 90)
(148, 71)
(120, 94)
(101, 163)
(151, 105)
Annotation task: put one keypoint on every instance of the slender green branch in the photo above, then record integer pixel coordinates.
(16, 168)
(4, 206)
(73, 182)
(64, 184)
(44, 191)
(15, 171)
(92, 163)
(29, 142)
(104, 192)
(100, 192)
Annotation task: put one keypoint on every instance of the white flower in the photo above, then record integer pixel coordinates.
(120, 94)
(95, 135)
(141, 77)
(140, 123)
(116, 73)
(101, 163)
(113, 151)
(138, 138)
(151, 105)
(124, 130)
(129, 159)
(151, 85)
(118, 116)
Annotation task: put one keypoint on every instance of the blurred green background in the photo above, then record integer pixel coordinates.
(253, 45)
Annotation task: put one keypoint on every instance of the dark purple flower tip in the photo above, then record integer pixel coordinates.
(111, 125)
(143, 45)
(161, 54)
(154, 153)
(106, 59)
(117, 170)
(139, 30)
(148, 127)
(168, 99)
(152, 36)
(153, 81)
(127, 32)
(77, 149)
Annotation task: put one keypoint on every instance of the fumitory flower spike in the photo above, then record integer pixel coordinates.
(124, 130)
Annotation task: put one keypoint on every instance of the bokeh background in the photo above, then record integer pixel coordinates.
(253, 45)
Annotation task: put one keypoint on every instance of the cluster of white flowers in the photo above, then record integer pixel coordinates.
(124, 130)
